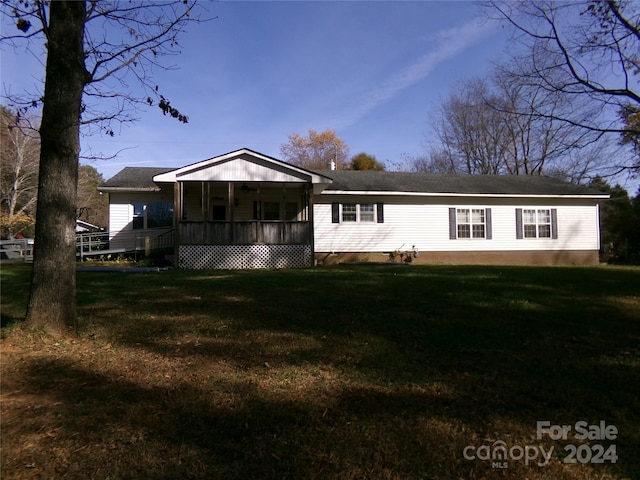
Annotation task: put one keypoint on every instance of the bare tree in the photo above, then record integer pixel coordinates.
(492, 127)
(543, 144)
(316, 151)
(471, 134)
(93, 48)
(18, 173)
(586, 51)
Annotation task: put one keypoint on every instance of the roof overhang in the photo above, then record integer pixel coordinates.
(128, 189)
(244, 165)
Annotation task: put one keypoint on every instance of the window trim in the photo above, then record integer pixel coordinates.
(375, 215)
(520, 223)
(454, 224)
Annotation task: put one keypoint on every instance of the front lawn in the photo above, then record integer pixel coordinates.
(367, 372)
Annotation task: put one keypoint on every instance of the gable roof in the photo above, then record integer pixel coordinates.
(251, 164)
(243, 165)
(380, 183)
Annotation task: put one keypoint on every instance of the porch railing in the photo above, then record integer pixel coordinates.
(244, 233)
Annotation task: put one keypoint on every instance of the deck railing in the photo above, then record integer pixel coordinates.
(191, 233)
(244, 233)
(17, 249)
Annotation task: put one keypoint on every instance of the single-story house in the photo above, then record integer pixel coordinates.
(249, 210)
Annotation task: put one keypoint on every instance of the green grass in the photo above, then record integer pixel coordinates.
(342, 372)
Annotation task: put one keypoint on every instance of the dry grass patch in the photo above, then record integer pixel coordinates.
(331, 373)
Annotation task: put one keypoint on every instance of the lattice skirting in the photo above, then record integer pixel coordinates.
(196, 257)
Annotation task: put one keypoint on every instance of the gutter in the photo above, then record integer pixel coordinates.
(446, 194)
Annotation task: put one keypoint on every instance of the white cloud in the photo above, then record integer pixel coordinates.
(446, 45)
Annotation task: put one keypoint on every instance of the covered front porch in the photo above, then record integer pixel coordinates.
(243, 210)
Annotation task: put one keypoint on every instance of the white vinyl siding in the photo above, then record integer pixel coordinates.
(121, 215)
(427, 226)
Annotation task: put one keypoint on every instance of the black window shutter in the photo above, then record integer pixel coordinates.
(335, 212)
(380, 208)
(256, 211)
(554, 223)
(487, 219)
(453, 232)
(519, 228)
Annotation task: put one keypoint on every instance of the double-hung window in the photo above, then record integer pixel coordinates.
(470, 223)
(357, 212)
(349, 212)
(536, 223)
(367, 213)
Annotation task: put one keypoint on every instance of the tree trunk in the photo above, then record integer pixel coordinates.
(52, 303)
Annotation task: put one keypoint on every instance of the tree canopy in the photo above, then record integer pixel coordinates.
(316, 151)
(364, 161)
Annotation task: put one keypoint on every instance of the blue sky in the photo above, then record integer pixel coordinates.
(372, 71)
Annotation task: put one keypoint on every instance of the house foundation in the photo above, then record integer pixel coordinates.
(526, 257)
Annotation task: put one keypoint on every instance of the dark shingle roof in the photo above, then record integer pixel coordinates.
(134, 178)
(141, 178)
(368, 180)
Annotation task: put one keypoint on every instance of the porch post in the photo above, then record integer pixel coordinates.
(309, 191)
(230, 208)
(177, 216)
(205, 202)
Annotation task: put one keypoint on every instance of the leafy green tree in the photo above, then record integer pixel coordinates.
(364, 161)
(618, 224)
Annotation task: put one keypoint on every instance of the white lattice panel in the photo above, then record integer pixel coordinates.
(197, 257)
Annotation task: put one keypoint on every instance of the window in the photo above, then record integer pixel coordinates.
(152, 215)
(159, 214)
(138, 216)
(470, 223)
(357, 212)
(536, 223)
(366, 213)
(349, 212)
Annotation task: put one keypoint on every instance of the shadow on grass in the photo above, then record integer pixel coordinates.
(238, 429)
(342, 373)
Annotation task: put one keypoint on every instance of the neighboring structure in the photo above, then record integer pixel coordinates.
(247, 210)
